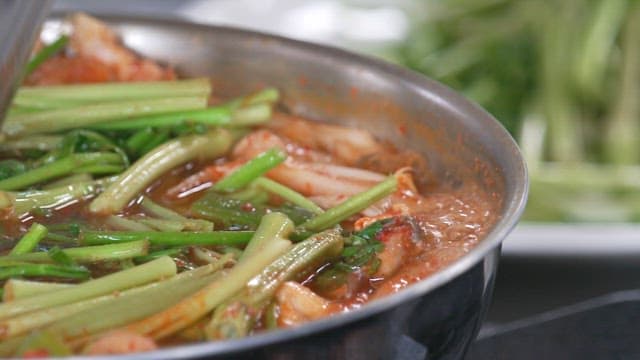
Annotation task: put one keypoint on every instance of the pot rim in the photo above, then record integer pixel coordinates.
(511, 212)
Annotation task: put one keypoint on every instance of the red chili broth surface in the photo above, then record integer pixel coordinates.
(450, 224)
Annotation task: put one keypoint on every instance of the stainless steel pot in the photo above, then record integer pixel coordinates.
(436, 318)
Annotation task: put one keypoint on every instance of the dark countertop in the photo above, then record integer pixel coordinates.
(527, 286)
(563, 308)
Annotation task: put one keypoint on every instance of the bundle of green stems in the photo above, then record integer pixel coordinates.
(563, 77)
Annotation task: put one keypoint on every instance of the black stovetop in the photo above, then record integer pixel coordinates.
(563, 308)
(606, 327)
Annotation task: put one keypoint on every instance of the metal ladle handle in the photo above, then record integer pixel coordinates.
(20, 22)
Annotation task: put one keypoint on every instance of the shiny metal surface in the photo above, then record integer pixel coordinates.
(435, 318)
(20, 22)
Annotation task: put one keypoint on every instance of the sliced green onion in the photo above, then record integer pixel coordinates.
(211, 116)
(189, 310)
(43, 270)
(138, 140)
(134, 304)
(238, 315)
(57, 168)
(49, 121)
(116, 91)
(30, 240)
(351, 206)
(233, 238)
(157, 162)
(47, 341)
(35, 142)
(123, 223)
(272, 226)
(287, 194)
(87, 254)
(45, 53)
(37, 319)
(139, 275)
(16, 289)
(251, 170)
(24, 202)
(156, 254)
(69, 180)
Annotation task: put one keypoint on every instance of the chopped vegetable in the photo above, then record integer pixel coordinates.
(139, 275)
(43, 270)
(155, 163)
(250, 171)
(43, 344)
(16, 289)
(83, 318)
(287, 194)
(233, 213)
(30, 240)
(240, 112)
(110, 92)
(194, 307)
(87, 254)
(27, 201)
(360, 252)
(45, 53)
(48, 121)
(350, 207)
(237, 316)
(234, 238)
(62, 167)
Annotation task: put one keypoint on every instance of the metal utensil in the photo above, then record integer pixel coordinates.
(20, 22)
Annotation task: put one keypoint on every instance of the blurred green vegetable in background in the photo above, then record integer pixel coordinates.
(564, 79)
